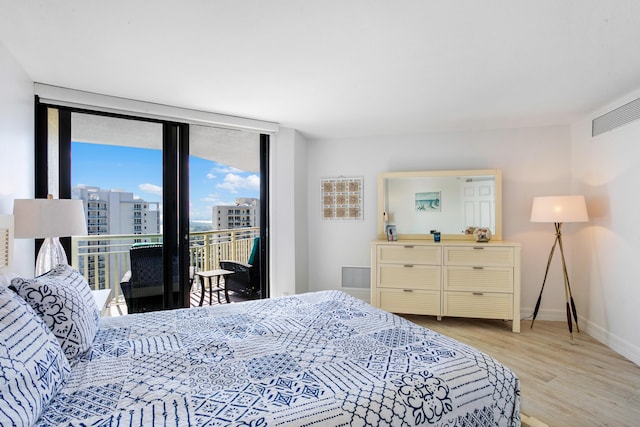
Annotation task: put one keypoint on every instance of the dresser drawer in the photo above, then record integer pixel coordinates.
(410, 301)
(410, 254)
(478, 279)
(478, 256)
(409, 276)
(451, 278)
(478, 304)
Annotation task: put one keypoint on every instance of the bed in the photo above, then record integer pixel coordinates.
(315, 359)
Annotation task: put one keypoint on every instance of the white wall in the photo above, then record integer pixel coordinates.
(288, 231)
(301, 214)
(534, 162)
(606, 169)
(16, 148)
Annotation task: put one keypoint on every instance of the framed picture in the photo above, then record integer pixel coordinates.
(428, 201)
(392, 234)
(342, 198)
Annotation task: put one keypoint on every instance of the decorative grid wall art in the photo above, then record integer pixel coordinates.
(342, 198)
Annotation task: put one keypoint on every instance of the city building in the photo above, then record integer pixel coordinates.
(243, 214)
(113, 212)
(117, 212)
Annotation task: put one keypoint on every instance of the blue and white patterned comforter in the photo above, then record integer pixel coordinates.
(317, 359)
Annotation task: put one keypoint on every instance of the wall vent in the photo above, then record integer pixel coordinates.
(356, 277)
(615, 118)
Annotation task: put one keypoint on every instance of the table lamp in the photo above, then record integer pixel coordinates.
(558, 210)
(49, 219)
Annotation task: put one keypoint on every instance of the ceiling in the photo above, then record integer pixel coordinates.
(340, 69)
(231, 147)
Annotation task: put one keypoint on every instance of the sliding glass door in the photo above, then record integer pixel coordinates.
(154, 183)
(116, 170)
(128, 172)
(226, 207)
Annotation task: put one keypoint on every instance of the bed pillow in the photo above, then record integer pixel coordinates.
(6, 276)
(62, 299)
(32, 364)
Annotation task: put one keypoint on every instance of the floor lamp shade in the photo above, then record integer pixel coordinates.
(49, 219)
(559, 209)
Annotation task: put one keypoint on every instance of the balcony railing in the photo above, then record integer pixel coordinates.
(104, 259)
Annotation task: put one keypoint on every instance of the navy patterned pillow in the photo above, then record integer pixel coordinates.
(62, 299)
(32, 365)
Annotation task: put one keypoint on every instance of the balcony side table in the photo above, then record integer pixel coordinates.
(208, 275)
(103, 298)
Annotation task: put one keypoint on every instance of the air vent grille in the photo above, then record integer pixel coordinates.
(615, 118)
(356, 277)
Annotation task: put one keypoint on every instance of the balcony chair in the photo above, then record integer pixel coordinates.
(245, 280)
(142, 285)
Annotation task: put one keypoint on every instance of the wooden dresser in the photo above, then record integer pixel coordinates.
(455, 278)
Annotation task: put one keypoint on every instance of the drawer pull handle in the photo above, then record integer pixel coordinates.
(478, 247)
(478, 268)
(407, 290)
(408, 265)
(478, 293)
(408, 246)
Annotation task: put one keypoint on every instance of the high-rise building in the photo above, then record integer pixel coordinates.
(112, 212)
(117, 212)
(244, 213)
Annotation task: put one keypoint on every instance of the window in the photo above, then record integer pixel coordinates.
(57, 127)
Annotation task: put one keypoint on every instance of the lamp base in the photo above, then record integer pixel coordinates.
(571, 306)
(51, 254)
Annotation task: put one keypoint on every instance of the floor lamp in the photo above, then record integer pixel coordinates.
(558, 210)
(49, 219)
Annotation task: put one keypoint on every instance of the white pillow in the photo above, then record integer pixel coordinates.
(32, 365)
(63, 299)
(6, 276)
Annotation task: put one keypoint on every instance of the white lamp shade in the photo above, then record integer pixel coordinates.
(559, 209)
(42, 218)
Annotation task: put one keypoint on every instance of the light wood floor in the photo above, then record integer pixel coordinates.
(562, 384)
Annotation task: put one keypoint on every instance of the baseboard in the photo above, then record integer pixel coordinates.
(617, 344)
(526, 313)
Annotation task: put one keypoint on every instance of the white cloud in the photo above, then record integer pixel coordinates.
(233, 182)
(214, 199)
(213, 173)
(227, 169)
(151, 188)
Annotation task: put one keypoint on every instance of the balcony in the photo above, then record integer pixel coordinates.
(104, 259)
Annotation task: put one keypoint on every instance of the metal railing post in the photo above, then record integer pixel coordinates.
(234, 251)
(75, 259)
(207, 252)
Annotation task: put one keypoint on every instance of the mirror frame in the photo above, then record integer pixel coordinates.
(496, 234)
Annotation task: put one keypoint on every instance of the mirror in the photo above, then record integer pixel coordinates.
(451, 202)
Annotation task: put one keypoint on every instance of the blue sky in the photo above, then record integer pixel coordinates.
(139, 171)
